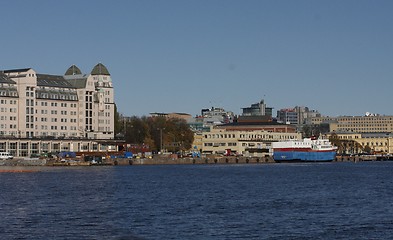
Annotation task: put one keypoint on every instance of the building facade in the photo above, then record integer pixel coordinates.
(258, 109)
(42, 106)
(297, 115)
(358, 124)
(246, 139)
(379, 143)
(216, 115)
(287, 116)
(184, 116)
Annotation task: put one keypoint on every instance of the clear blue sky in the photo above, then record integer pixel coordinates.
(181, 56)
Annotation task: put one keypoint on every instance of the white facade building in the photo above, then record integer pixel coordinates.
(42, 106)
(247, 140)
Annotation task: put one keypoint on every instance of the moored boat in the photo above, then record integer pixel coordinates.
(307, 150)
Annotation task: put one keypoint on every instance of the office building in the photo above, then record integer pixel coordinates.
(258, 109)
(36, 106)
(248, 139)
(357, 124)
(297, 115)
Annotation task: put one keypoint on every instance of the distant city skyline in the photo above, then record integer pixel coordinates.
(182, 56)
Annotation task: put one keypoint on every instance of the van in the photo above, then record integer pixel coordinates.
(5, 156)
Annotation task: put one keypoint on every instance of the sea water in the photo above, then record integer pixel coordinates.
(228, 201)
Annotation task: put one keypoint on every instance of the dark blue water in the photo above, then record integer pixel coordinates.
(277, 201)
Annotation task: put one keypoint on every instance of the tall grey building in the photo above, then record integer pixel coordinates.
(258, 109)
(296, 115)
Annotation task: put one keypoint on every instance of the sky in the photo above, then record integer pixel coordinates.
(332, 56)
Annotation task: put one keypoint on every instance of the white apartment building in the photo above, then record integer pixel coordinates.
(44, 106)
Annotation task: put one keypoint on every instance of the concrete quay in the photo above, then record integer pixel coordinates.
(360, 158)
(157, 160)
(204, 160)
(167, 160)
(24, 162)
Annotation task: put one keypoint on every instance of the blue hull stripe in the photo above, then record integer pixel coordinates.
(303, 156)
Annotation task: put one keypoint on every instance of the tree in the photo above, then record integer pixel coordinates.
(173, 134)
(336, 142)
(136, 131)
(180, 135)
(309, 130)
(117, 122)
(367, 149)
(306, 131)
(345, 146)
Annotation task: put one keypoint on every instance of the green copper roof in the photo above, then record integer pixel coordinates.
(100, 69)
(73, 70)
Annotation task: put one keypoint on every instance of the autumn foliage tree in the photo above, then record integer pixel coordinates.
(345, 146)
(173, 134)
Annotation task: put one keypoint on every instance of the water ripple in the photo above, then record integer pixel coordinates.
(278, 201)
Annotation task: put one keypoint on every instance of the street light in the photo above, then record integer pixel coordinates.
(160, 138)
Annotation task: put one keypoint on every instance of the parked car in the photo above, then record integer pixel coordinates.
(5, 156)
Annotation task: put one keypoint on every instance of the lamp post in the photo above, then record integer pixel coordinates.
(124, 127)
(161, 146)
